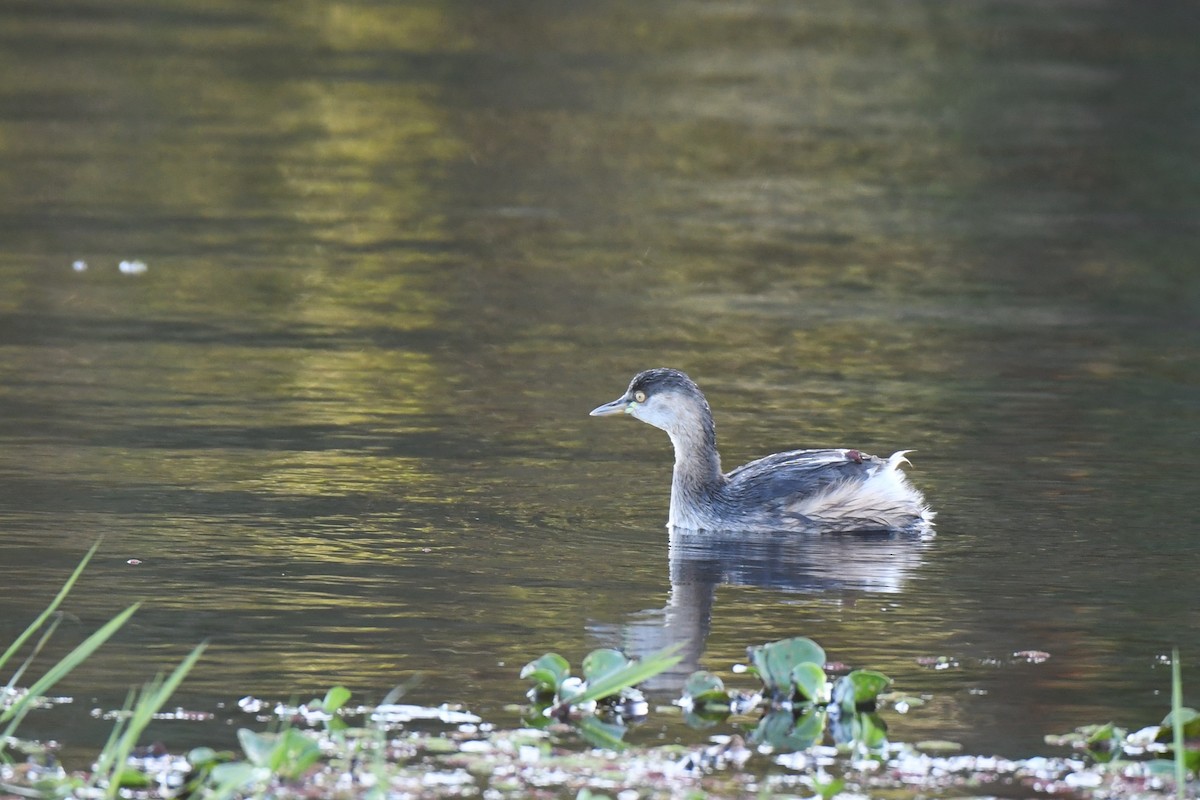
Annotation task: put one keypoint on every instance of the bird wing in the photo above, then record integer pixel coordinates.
(788, 476)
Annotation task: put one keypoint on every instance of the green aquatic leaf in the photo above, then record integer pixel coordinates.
(709, 702)
(810, 682)
(200, 756)
(203, 761)
(705, 688)
(827, 787)
(547, 672)
(775, 661)
(1105, 742)
(1189, 719)
(296, 753)
(632, 674)
(287, 754)
(859, 688)
(335, 698)
(130, 778)
(600, 664)
(257, 747)
(228, 778)
(570, 690)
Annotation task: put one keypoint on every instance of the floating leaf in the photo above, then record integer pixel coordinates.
(810, 682)
(570, 690)
(289, 753)
(203, 761)
(901, 702)
(859, 688)
(633, 673)
(775, 661)
(1105, 742)
(705, 699)
(600, 664)
(258, 747)
(705, 688)
(1191, 725)
(547, 672)
(230, 777)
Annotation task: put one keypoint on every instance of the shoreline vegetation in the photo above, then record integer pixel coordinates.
(802, 731)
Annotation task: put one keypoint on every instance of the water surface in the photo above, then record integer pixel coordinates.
(395, 253)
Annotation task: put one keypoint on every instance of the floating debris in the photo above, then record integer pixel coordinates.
(400, 713)
(938, 662)
(132, 267)
(1032, 656)
(178, 713)
(251, 705)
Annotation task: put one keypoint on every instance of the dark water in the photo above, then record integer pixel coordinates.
(395, 253)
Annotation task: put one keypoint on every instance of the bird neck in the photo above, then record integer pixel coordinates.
(697, 473)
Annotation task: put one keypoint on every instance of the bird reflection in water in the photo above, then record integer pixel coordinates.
(844, 565)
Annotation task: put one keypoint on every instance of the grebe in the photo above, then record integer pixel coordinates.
(801, 490)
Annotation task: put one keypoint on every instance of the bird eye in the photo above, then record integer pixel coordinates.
(639, 396)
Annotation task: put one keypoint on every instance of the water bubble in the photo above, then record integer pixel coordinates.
(132, 267)
(79, 266)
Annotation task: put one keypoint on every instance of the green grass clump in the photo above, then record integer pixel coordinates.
(111, 771)
(47, 623)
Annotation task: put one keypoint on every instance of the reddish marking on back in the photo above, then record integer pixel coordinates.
(854, 455)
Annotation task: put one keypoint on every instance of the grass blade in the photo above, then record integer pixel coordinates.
(50, 609)
(17, 711)
(153, 697)
(37, 648)
(1177, 724)
(632, 675)
(103, 761)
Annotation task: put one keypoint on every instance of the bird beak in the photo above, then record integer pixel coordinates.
(618, 406)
